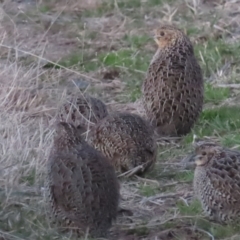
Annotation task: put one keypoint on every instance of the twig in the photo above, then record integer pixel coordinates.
(169, 138)
(185, 201)
(118, 10)
(201, 230)
(10, 235)
(52, 23)
(157, 223)
(228, 85)
(170, 164)
(148, 180)
(49, 61)
(224, 30)
(166, 195)
(172, 184)
(126, 68)
(167, 150)
(131, 172)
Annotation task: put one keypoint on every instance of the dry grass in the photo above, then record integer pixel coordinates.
(51, 50)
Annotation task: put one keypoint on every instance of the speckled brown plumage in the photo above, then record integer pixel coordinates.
(173, 87)
(83, 187)
(217, 181)
(82, 111)
(126, 140)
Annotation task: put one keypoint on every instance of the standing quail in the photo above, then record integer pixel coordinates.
(84, 111)
(126, 140)
(83, 187)
(173, 88)
(217, 181)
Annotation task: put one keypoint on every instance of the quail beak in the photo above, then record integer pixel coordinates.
(193, 160)
(196, 157)
(197, 160)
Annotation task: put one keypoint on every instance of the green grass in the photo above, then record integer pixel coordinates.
(133, 87)
(130, 62)
(80, 60)
(222, 122)
(215, 95)
(192, 31)
(186, 176)
(133, 4)
(136, 41)
(193, 209)
(147, 190)
(128, 58)
(44, 8)
(128, 8)
(139, 231)
(215, 54)
(124, 4)
(106, 7)
(219, 231)
(232, 139)
(29, 179)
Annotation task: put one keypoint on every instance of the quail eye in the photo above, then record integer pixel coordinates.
(162, 34)
(204, 153)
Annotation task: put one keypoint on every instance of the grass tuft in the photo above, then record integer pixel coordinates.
(193, 209)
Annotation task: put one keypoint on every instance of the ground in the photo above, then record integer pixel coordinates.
(50, 49)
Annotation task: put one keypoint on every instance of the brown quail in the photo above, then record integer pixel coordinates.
(173, 87)
(126, 140)
(83, 111)
(83, 187)
(217, 181)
